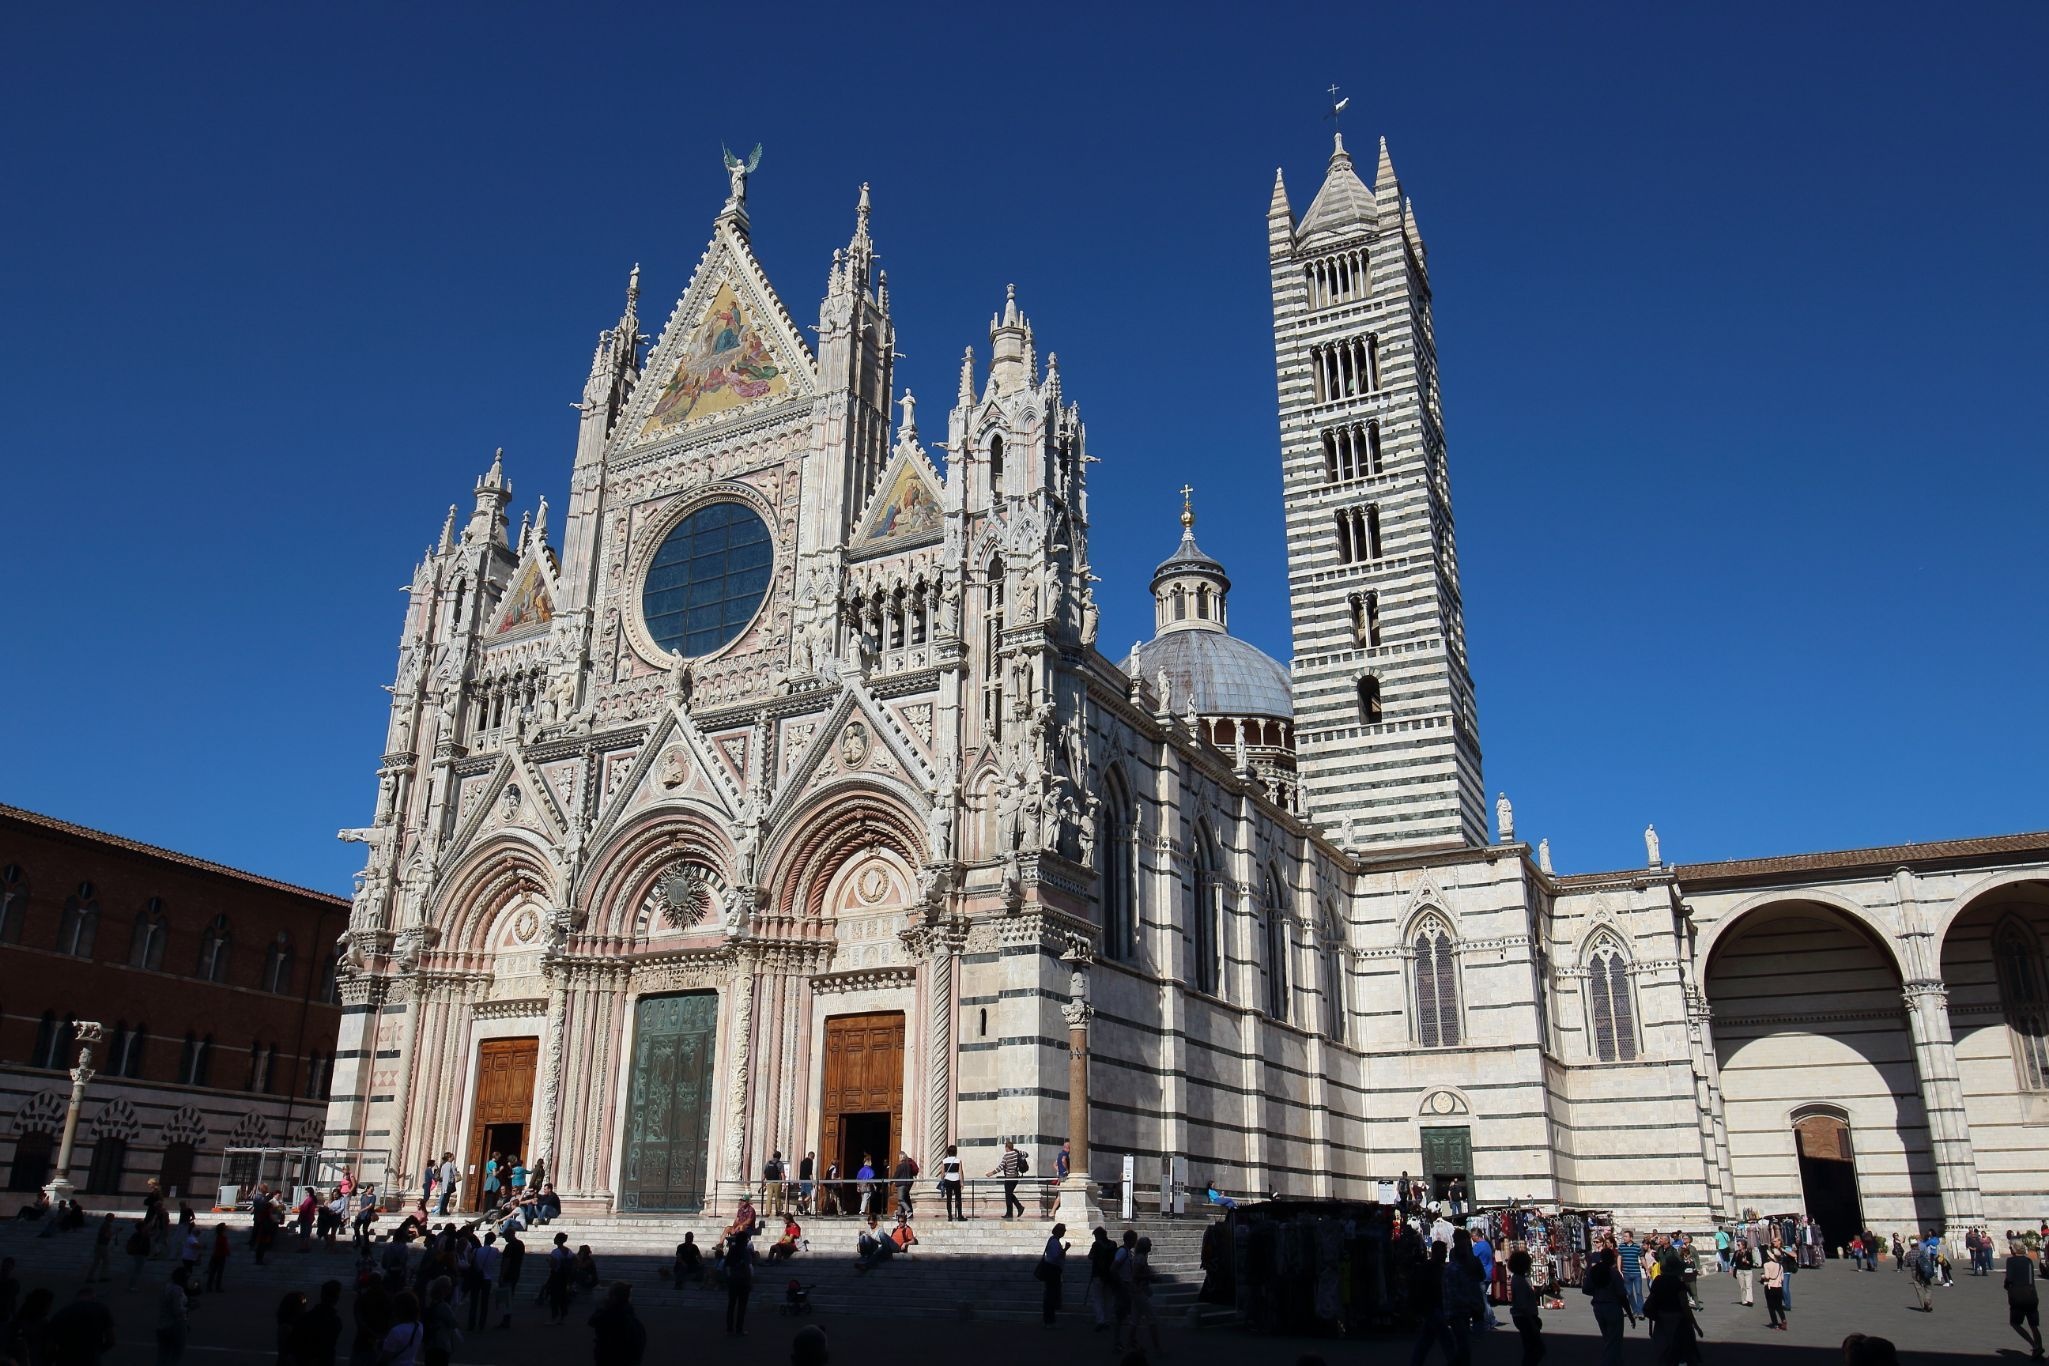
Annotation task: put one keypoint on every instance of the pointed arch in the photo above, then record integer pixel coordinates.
(214, 943)
(1206, 938)
(146, 948)
(2023, 998)
(1274, 914)
(13, 903)
(1432, 949)
(1610, 997)
(1332, 964)
(80, 923)
(1116, 837)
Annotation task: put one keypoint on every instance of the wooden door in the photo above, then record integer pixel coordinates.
(668, 1102)
(864, 1074)
(505, 1095)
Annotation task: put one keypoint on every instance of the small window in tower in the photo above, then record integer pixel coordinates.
(1373, 618)
(1372, 531)
(1202, 602)
(1369, 700)
(1373, 448)
(995, 460)
(1373, 364)
(1330, 457)
(1180, 605)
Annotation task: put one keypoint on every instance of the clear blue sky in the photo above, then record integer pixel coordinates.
(1739, 311)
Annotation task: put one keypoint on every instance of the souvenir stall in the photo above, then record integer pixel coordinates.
(1561, 1244)
(1792, 1231)
(1312, 1266)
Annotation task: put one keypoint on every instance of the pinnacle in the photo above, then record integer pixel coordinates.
(1383, 174)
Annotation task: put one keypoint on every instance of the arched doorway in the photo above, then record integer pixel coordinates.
(1828, 1172)
(1810, 1025)
(1995, 962)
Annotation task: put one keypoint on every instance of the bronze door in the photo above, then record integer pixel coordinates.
(668, 1102)
(505, 1101)
(863, 1104)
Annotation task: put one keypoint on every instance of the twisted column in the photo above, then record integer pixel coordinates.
(737, 1065)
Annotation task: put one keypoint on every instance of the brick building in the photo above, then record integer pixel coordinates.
(215, 988)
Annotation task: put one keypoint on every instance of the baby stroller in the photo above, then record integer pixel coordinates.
(796, 1297)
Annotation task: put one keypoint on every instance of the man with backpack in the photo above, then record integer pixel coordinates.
(1010, 1167)
(1924, 1273)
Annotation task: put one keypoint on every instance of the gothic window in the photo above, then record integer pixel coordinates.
(1276, 950)
(1333, 976)
(1373, 465)
(259, 1066)
(1180, 605)
(146, 950)
(197, 1061)
(13, 903)
(50, 1035)
(1434, 964)
(319, 1076)
(80, 923)
(124, 1056)
(213, 951)
(1372, 546)
(1365, 618)
(1611, 1012)
(1120, 883)
(2024, 998)
(277, 965)
(995, 463)
(330, 978)
(1209, 913)
(992, 643)
(1370, 710)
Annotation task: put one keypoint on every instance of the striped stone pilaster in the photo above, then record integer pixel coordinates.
(1942, 1097)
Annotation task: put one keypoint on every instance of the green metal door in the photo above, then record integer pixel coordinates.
(1448, 1153)
(668, 1102)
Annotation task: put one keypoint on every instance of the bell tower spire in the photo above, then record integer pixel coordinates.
(1381, 680)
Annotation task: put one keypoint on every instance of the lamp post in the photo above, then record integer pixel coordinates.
(88, 1033)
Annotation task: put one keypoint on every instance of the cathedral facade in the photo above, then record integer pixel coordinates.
(793, 806)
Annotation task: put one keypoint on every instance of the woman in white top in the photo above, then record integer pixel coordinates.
(950, 1182)
(401, 1346)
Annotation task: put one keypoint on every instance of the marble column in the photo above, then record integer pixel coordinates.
(1077, 1193)
(1942, 1097)
(732, 1166)
(554, 1034)
(939, 1013)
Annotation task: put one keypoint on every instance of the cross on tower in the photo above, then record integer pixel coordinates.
(1337, 106)
(1187, 510)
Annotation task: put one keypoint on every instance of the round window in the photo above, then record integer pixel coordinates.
(707, 579)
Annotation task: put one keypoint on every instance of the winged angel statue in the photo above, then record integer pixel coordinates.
(737, 172)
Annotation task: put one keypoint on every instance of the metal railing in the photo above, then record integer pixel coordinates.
(981, 1198)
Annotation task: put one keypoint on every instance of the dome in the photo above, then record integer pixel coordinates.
(1223, 675)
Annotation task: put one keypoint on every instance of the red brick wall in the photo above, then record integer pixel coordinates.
(35, 976)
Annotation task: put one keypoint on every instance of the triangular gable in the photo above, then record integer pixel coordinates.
(676, 762)
(906, 506)
(529, 602)
(857, 736)
(729, 346)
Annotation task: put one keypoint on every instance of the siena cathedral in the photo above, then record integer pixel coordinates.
(793, 804)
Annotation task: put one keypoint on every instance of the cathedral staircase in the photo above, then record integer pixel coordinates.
(978, 1269)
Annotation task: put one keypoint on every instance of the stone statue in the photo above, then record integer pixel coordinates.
(737, 172)
(939, 821)
(1089, 617)
(1009, 815)
(1544, 855)
(679, 683)
(1348, 831)
(1085, 830)
(1076, 1012)
(1240, 760)
(1166, 691)
(1504, 817)
(1650, 847)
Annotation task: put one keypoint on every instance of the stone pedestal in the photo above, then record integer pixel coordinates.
(1077, 1207)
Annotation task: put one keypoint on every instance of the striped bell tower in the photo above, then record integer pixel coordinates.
(1387, 738)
